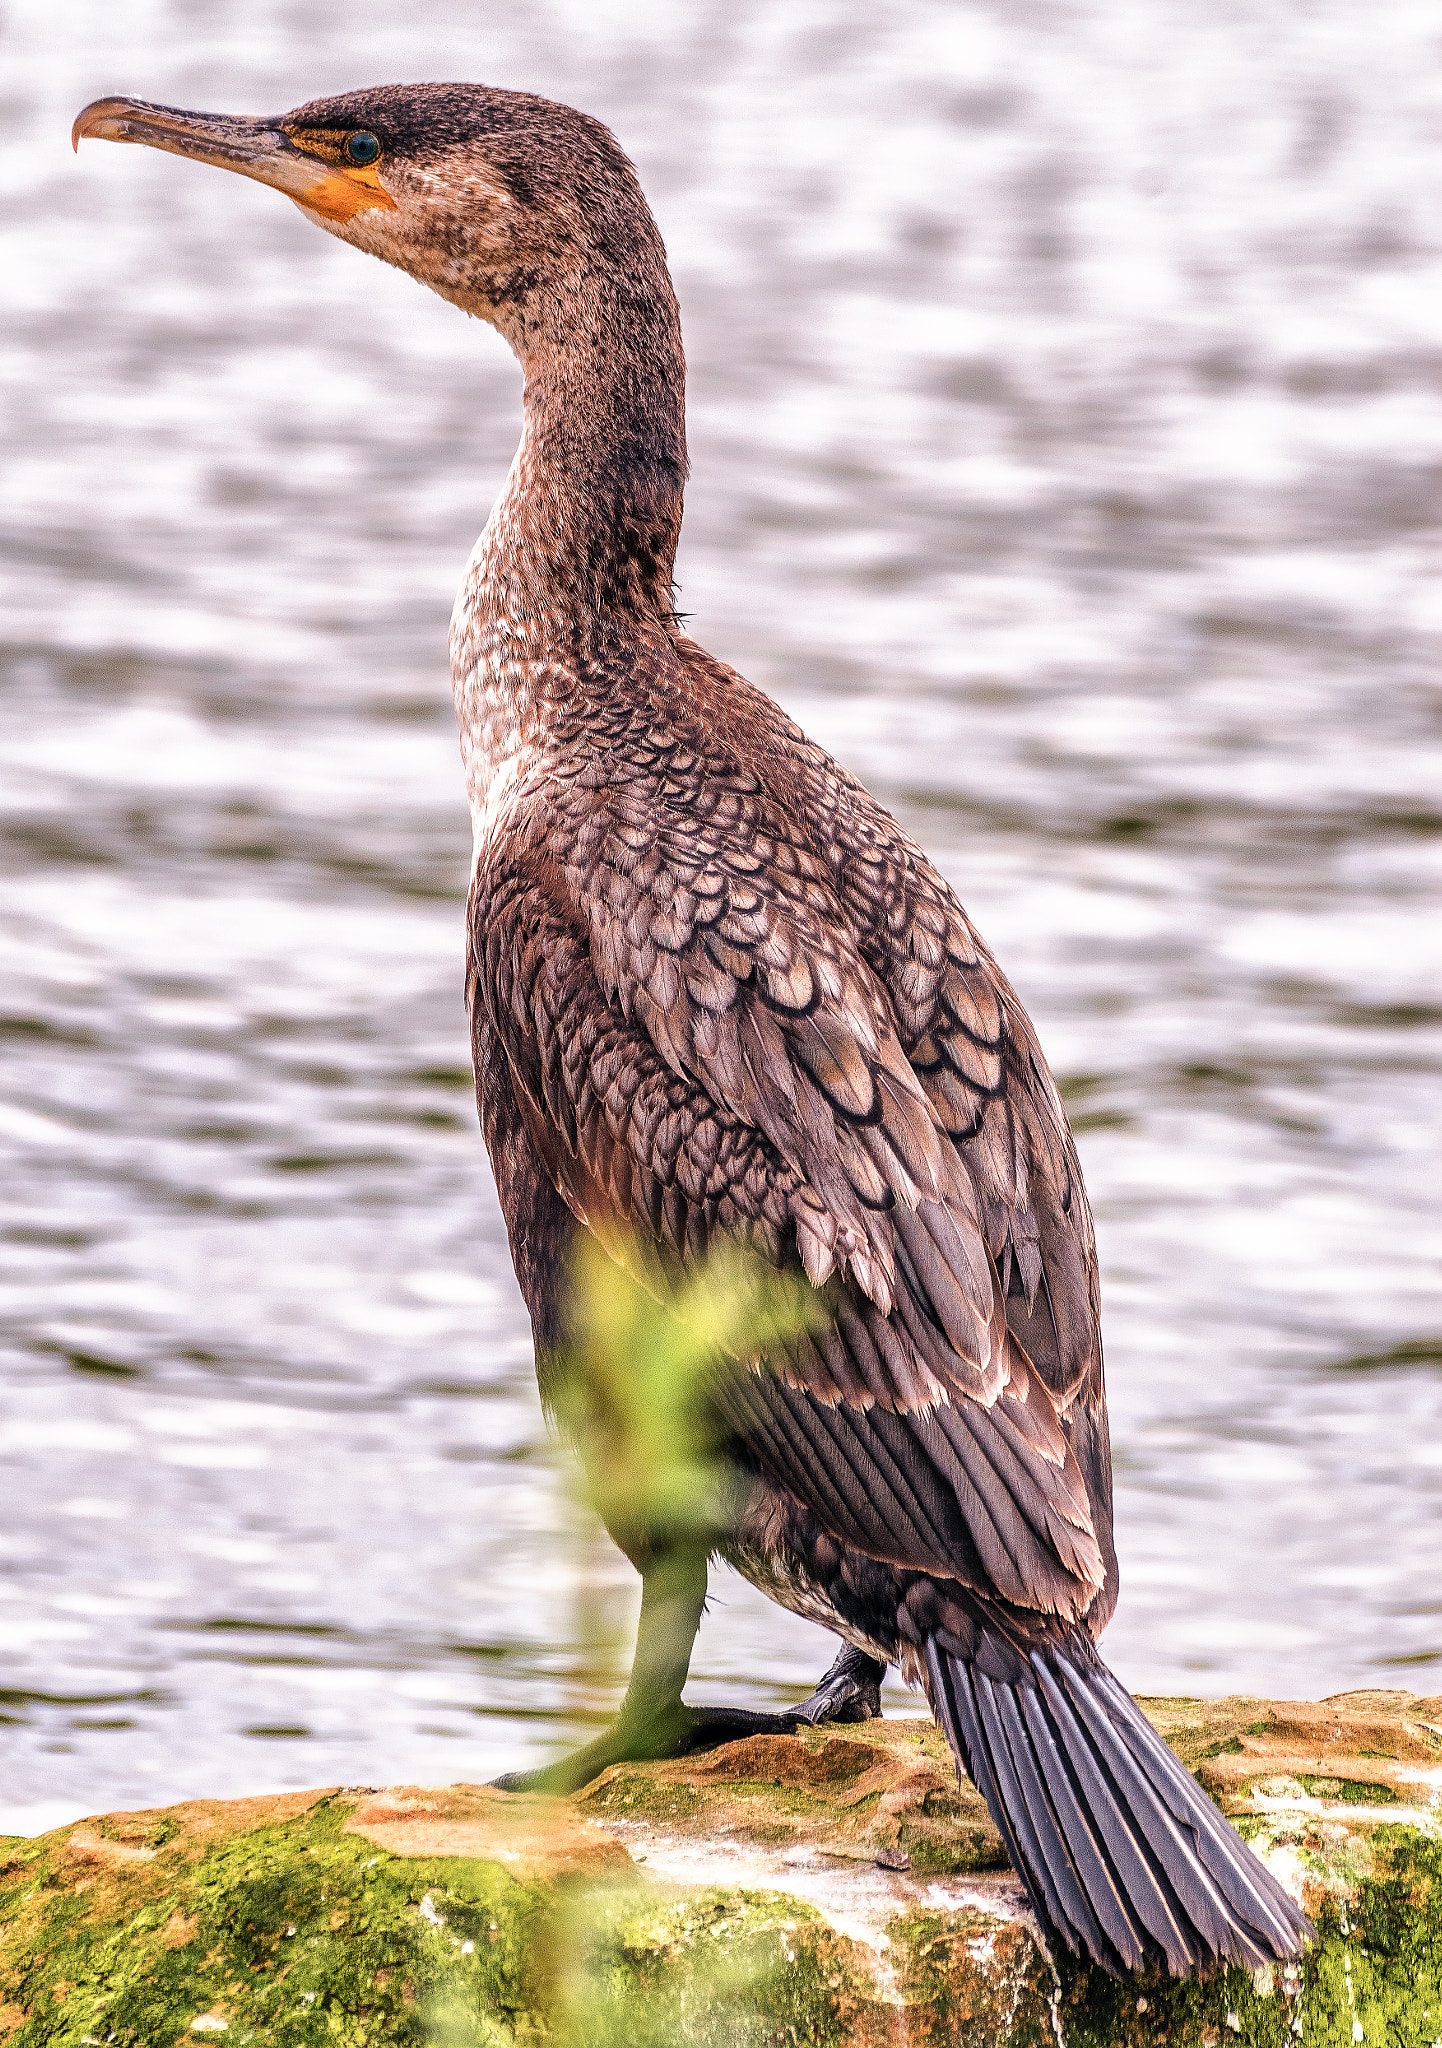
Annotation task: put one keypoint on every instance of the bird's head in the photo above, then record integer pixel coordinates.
(497, 200)
(529, 215)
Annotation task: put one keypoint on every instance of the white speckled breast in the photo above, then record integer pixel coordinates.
(499, 673)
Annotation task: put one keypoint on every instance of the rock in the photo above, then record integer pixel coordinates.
(532, 1838)
(835, 1886)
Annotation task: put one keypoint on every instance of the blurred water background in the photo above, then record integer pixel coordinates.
(1066, 412)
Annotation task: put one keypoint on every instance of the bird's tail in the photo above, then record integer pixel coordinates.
(1122, 1854)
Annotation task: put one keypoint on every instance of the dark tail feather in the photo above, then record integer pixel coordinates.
(1123, 1855)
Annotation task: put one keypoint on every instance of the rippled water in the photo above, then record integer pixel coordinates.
(1067, 425)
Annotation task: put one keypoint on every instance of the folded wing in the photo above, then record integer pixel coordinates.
(708, 1042)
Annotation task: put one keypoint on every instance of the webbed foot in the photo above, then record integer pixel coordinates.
(850, 1691)
(676, 1730)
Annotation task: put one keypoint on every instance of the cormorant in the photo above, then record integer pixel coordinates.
(718, 996)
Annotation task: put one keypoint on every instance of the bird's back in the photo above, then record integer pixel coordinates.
(738, 1002)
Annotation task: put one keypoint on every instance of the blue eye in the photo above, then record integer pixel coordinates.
(362, 148)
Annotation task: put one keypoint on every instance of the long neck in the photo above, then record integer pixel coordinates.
(575, 563)
(587, 525)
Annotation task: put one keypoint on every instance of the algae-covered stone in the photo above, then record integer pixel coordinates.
(831, 1887)
(881, 1788)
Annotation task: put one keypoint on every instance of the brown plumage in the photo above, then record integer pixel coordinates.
(719, 996)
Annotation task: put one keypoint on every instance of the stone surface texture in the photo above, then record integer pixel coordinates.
(831, 1887)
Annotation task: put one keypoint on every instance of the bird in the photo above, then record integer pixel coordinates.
(721, 1001)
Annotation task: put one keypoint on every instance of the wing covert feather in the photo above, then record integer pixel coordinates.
(716, 1031)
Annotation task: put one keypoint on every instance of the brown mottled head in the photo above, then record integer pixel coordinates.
(488, 197)
(529, 215)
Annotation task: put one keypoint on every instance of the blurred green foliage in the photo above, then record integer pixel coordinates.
(636, 1393)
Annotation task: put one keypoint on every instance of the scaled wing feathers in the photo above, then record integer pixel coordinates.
(713, 1031)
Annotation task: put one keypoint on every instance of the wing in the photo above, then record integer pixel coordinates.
(975, 1054)
(701, 1045)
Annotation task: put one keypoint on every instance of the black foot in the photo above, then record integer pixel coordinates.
(850, 1691)
(675, 1731)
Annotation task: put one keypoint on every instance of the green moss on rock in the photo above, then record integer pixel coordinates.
(835, 1887)
(286, 1933)
(882, 1786)
(1374, 1975)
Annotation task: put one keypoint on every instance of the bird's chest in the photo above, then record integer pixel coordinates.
(504, 701)
(495, 742)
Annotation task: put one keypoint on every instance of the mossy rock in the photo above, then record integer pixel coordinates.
(880, 1788)
(831, 1887)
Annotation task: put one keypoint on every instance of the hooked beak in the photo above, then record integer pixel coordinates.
(257, 149)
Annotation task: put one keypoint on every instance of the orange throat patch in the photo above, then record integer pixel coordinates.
(340, 194)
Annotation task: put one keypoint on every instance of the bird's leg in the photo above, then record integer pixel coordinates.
(850, 1691)
(653, 1721)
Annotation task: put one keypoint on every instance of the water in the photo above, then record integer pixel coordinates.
(1067, 438)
